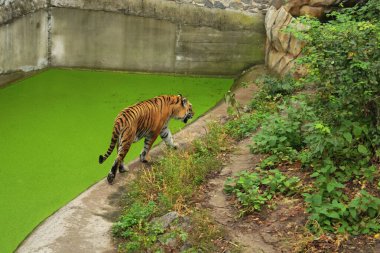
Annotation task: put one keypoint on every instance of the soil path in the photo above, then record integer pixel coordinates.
(84, 224)
(246, 234)
(265, 232)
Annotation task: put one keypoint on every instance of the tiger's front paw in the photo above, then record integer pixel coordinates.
(110, 177)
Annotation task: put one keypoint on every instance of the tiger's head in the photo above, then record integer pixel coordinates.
(183, 109)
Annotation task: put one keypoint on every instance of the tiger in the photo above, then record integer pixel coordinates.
(146, 119)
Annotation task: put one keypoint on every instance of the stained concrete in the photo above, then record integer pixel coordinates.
(105, 40)
(24, 43)
(82, 38)
(84, 225)
(12, 9)
(172, 11)
(134, 35)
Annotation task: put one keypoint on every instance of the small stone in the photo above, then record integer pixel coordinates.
(236, 5)
(172, 243)
(166, 219)
(208, 4)
(219, 5)
(186, 246)
(254, 10)
(199, 2)
(268, 238)
(249, 2)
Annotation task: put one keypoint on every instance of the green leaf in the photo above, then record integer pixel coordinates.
(333, 215)
(348, 137)
(330, 187)
(315, 174)
(362, 150)
(357, 131)
(353, 213)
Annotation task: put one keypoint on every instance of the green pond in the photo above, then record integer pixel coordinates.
(53, 127)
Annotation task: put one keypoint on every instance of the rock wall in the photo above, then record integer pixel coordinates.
(143, 35)
(282, 49)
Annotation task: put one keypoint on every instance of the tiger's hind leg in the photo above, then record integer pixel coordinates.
(123, 150)
(122, 168)
(148, 142)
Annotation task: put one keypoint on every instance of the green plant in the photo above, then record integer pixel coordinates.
(273, 86)
(344, 65)
(254, 189)
(242, 127)
(135, 227)
(358, 216)
(168, 185)
(233, 106)
(281, 135)
(340, 146)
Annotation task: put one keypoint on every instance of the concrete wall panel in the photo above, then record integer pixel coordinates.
(98, 39)
(206, 50)
(24, 43)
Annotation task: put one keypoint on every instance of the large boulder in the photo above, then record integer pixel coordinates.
(282, 49)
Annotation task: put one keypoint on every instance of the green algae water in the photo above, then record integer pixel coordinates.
(54, 126)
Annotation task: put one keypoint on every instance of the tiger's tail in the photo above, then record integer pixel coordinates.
(115, 135)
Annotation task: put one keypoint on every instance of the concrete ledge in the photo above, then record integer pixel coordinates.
(172, 11)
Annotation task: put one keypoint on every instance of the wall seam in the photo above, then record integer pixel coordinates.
(49, 35)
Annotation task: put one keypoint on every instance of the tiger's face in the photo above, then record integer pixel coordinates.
(184, 110)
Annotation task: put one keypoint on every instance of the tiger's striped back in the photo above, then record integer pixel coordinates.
(144, 119)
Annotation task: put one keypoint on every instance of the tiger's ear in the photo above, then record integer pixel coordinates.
(184, 102)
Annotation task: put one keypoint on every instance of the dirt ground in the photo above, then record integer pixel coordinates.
(254, 233)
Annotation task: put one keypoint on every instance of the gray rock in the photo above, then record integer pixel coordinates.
(208, 4)
(219, 5)
(249, 2)
(166, 219)
(236, 5)
(186, 246)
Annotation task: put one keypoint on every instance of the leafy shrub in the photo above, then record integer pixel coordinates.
(242, 127)
(358, 216)
(281, 135)
(341, 145)
(273, 86)
(254, 189)
(344, 65)
(135, 227)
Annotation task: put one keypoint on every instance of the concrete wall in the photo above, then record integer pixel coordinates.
(24, 43)
(135, 35)
(12, 9)
(82, 38)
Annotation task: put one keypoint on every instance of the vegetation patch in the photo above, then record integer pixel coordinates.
(255, 189)
(170, 186)
(329, 133)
